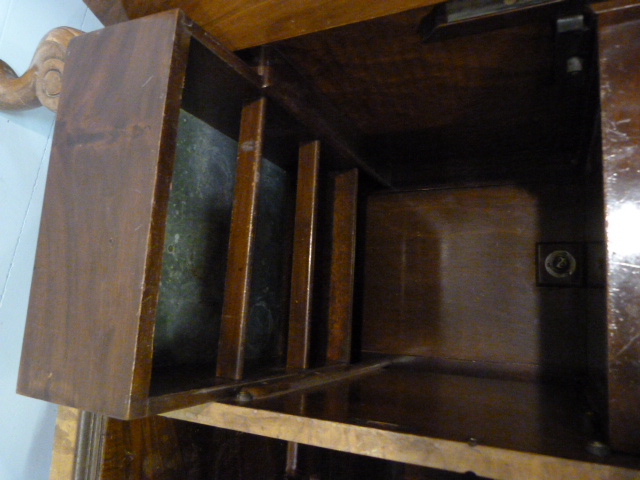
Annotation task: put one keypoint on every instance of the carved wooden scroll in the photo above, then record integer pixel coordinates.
(40, 84)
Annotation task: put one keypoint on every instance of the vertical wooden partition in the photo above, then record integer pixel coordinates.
(343, 208)
(343, 253)
(619, 50)
(235, 310)
(303, 256)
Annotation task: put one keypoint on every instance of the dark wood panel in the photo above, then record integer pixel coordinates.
(212, 69)
(87, 341)
(619, 43)
(158, 448)
(515, 415)
(342, 273)
(103, 230)
(450, 274)
(385, 79)
(476, 95)
(235, 309)
(303, 256)
(298, 95)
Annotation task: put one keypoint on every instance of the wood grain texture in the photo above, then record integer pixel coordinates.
(109, 12)
(619, 45)
(246, 23)
(341, 277)
(385, 79)
(103, 235)
(304, 240)
(65, 443)
(158, 448)
(485, 94)
(314, 378)
(297, 94)
(87, 341)
(450, 274)
(400, 447)
(235, 309)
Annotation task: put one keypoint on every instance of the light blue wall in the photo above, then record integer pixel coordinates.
(26, 425)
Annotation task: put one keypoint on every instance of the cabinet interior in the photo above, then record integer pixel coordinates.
(367, 225)
(484, 151)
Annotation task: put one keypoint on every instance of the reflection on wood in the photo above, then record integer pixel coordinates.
(430, 452)
(455, 270)
(619, 44)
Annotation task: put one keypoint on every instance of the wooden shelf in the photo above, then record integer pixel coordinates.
(449, 410)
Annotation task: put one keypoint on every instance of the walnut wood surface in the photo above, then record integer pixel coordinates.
(619, 45)
(418, 282)
(235, 310)
(87, 341)
(450, 274)
(158, 448)
(246, 23)
(298, 95)
(482, 95)
(341, 277)
(383, 442)
(65, 443)
(305, 233)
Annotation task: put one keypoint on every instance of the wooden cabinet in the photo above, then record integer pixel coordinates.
(415, 238)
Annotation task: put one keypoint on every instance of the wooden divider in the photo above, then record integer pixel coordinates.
(235, 309)
(343, 252)
(303, 256)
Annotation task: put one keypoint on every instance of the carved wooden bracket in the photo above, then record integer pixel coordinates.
(41, 83)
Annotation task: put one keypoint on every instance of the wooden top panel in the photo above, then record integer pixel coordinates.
(488, 93)
(247, 23)
(87, 342)
(381, 75)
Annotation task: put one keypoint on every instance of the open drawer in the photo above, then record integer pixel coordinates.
(158, 196)
(354, 240)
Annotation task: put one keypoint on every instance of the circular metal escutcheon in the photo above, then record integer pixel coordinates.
(560, 264)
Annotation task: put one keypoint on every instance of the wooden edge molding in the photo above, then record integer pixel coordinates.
(400, 447)
(41, 83)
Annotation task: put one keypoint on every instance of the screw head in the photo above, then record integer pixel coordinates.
(244, 396)
(598, 448)
(575, 65)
